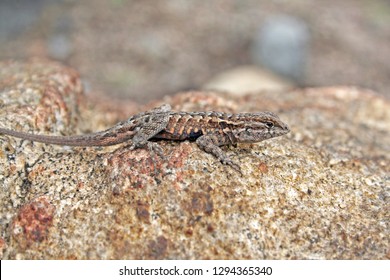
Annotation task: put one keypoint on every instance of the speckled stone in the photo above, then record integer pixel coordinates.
(320, 192)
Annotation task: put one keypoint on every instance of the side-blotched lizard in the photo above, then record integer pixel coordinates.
(210, 130)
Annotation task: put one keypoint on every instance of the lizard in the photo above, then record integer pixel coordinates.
(209, 129)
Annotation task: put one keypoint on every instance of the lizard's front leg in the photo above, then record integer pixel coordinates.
(210, 144)
(150, 125)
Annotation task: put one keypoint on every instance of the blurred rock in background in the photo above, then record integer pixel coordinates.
(247, 79)
(16, 16)
(281, 44)
(143, 50)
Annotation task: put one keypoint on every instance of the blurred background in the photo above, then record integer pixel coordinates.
(143, 50)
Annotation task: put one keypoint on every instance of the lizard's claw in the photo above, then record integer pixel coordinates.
(155, 148)
(233, 165)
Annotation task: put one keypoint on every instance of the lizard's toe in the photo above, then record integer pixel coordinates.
(155, 148)
(233, 165)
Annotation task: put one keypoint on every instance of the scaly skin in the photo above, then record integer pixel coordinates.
(210, 130)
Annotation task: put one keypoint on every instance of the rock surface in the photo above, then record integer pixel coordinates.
(248, 79)
(321, 192)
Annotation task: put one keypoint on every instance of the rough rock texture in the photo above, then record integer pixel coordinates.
(321, 192)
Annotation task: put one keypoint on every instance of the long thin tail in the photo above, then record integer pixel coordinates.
(104, 138)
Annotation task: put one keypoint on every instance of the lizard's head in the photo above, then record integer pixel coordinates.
(256, 127)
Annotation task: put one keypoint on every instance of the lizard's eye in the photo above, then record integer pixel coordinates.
(269, 124)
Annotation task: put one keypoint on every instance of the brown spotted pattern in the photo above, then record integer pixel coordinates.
(161, 123)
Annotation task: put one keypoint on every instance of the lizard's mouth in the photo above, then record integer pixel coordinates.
(279, 131)
(286, 129)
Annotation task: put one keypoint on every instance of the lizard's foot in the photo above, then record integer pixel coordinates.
(155, 148)
(232, 164)
(207, 144)
(132, 147)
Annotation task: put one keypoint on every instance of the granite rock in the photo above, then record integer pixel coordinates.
(320, 192)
